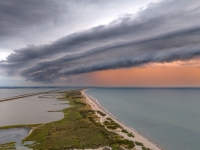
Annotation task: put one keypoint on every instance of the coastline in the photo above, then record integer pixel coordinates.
(94, 105)
(138, 137)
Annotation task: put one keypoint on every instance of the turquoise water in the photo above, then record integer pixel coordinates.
(168, 117)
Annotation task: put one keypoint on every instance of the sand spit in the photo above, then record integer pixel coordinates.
(25, 95)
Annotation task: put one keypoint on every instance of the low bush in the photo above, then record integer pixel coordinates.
(112, 127)
(109, 119)
(125, 131)
(128, 143)
(101, 113)
(130, 135)
(144, 148)
(138, 143)
(80, 103)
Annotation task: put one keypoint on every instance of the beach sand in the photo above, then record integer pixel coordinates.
(137, 137)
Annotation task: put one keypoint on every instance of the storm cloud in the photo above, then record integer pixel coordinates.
(163, 32)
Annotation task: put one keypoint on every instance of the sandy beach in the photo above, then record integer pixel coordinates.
(137, 137)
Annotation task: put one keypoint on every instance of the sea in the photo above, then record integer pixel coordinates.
(169, 117)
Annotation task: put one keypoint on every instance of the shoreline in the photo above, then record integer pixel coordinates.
(138, 137)
(95, 105)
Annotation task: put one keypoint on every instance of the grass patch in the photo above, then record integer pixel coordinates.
(126, 143)
(110, 124)
(20, 126)
(116, 147)
(10, 146)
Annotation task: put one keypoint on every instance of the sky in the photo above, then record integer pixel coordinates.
(139, 43)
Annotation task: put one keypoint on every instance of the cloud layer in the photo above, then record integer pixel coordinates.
(163, 32)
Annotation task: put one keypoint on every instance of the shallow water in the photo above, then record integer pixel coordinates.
(14, 135)
(30, 110)
(168, 117)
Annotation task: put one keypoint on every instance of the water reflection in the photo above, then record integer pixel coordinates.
(31, 110)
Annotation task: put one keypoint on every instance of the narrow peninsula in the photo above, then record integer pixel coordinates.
(86, 125)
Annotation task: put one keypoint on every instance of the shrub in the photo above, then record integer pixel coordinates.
(125, 131)
(109, 119)
(101, 113)
(130, 135)
(130, 144)
(112, 127)
(144, 148)
(138, 143)
(73, 94)
(83, 113)
(80, 103)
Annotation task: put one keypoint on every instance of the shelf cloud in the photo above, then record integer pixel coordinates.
(166, 31)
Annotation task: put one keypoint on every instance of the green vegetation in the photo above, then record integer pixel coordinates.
(125, 131)
(110, 124)
(130, 135)
(116, 147)
(74, 94)
(126, 143)
(10, 146)
(138, 143)
(144, 148)
(20, 126)
(109, 119)
(80, 128)
(101, 113)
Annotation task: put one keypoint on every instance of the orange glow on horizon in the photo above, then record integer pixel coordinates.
(148, 76)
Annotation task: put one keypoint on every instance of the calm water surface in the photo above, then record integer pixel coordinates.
(14, 135)
(30, 110)
(168, 117)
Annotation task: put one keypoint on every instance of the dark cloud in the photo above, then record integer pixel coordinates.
(19, 16)
(171, 39)
(163, 32)
(169, 55)
(24, 22)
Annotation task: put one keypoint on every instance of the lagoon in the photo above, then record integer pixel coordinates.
(30, 110)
